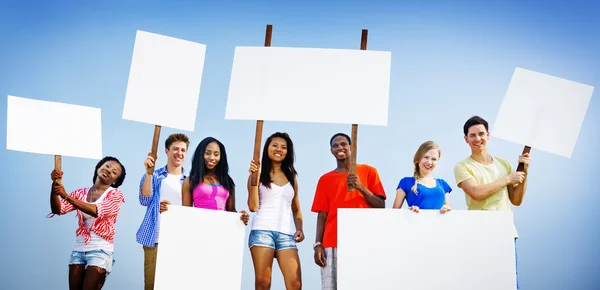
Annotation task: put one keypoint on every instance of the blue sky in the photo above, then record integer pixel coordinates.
(450, 60)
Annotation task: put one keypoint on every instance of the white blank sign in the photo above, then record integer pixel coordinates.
(309, 85)
(53, 128)
(543, 112)
(199, 249)
(398, 249)
(164, 81)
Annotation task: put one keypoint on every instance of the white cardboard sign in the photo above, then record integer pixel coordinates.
(398, 249)
(164, 81)
(543, 112)
(310, 85)
(199, 249)
(53, 128)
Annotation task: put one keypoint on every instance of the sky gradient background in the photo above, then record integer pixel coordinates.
(449, 62)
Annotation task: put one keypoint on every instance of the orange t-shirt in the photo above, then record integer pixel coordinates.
(332, 193)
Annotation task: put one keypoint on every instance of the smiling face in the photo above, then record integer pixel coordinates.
(428, 161)
(212, 155)
(340, 148)
(176, 153)
(109, 172)
(477, 137)
(277, 149)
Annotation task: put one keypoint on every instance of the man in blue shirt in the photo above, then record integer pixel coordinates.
(159, 188)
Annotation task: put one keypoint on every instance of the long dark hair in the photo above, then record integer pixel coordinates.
(287, 165)
(119, 179)
(199, 166)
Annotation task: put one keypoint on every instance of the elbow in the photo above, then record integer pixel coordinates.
(252, 206)
(475, 196)
(516, 202)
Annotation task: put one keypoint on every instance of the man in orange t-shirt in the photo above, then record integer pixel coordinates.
(331, 194)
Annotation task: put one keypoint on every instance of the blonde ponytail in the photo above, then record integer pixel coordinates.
(416, 175)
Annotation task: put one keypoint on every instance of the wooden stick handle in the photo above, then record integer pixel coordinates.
(363, 46)
(58, 165)
(155, 139)
(521, 166)
(256, 155)
(259, 123)
(354, 138)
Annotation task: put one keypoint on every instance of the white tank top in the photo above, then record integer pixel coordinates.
(274, 209)
(96, 242)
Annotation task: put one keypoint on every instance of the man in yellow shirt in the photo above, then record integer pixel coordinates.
(488, 181)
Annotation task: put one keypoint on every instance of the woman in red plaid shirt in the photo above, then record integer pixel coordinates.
(97, 209)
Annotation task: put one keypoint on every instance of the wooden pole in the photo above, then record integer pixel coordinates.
(259, 123)
(354, 135)
(521, 166)
(58, 165)
(154, 150)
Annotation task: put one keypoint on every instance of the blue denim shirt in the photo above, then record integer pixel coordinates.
(146, 234)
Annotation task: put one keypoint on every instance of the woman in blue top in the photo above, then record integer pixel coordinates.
(423, 191)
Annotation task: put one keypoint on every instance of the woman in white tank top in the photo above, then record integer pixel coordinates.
(275, 201)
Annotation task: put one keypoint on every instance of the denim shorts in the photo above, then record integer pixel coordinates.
(272, 239)
(99, 258)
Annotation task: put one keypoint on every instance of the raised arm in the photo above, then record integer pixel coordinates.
(373, 200)
(469, 185)
(253, 190)
(65, 205)
(73, 203)
(54, 199)
(482, 191)
(517, 192)
(146, 182)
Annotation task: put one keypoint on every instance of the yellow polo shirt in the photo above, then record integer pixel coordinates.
(484, 174)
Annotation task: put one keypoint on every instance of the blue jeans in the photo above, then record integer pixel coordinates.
(99, 258)
(272, 239)
(516, 264)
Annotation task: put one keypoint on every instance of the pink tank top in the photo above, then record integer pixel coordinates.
(210, 196)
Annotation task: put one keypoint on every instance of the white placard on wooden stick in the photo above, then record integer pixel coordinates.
(199, 249)
(543, 112)
(310, 85)
(53, 128)
(164, 81)
(398, 249)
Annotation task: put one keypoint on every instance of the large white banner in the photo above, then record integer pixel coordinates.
(164, 81)
(310, 85)
(543, 112)
(398, 249)
(199, 249)
(53, 128)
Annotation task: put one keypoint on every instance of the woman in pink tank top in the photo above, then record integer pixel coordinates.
(209, 185)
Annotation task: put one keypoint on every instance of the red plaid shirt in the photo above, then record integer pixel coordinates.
(107, 212)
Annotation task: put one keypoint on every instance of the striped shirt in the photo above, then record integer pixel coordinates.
(146, 234)
(107, 212)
